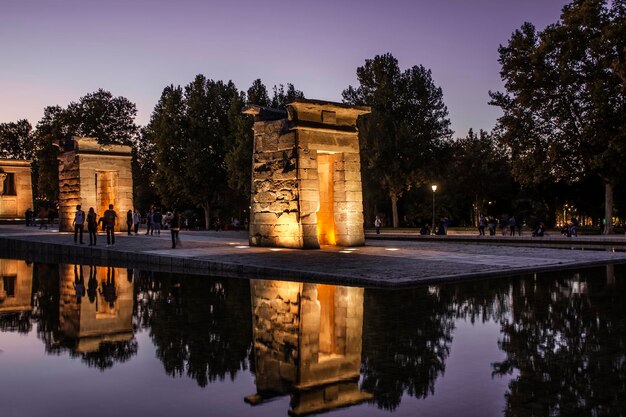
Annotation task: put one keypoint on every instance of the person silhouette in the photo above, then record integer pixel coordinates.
(79, 283)
(109, 292)
(92, 285)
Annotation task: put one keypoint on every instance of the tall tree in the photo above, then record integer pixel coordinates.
(565, 101)
(109, 119)
(408, 124)
(16, 140)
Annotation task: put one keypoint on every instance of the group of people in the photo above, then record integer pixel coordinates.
(45, 217)
(133, 219)
(508, 225)
(107, 221)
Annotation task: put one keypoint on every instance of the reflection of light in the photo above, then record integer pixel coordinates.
(345, 251)
(392, 249)
(275, 249)
(232, 243)
(351, 249)
(242, 247)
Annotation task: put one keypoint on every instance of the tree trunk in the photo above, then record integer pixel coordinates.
(207, 215)
(394, 208)
(608, 208)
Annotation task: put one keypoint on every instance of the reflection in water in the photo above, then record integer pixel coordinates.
(566, 338)
(191, 323)
(307, 342)
(563, 336)
(16, 281)
(99, 331)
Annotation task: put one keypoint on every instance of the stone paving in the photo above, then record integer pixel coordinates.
(382, 263)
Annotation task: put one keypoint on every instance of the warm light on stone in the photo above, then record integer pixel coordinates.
(307, 342)
(16, 283)
(94, 175)
(306, 178)
(16, 191)
(92, 322)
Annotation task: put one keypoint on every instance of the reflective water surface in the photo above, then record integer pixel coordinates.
(102, 341)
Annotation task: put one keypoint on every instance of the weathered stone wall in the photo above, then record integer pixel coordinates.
(94, 175)
(21, 273)
(275, 213)
(14, 206)
(306, 179)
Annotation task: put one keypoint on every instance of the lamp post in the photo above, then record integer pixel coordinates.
(434, 188)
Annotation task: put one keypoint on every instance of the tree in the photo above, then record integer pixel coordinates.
(409, 122)
(565, 105)
(16, 140)
(109, 119)
(479, 174)
(281, 97)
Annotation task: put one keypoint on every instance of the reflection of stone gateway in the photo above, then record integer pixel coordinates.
(306, 178)
(94, 175)
(16, 282)
(307, 342)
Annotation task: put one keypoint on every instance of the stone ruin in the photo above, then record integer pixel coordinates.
(306, 176)
(307, 343)
(16, 191)
(94, 175)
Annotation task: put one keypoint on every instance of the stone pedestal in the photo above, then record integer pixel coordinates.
(94, 175)
(306, 177)
(16, 191)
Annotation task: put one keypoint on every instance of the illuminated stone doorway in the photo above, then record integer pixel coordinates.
(326, 213)
(106, 190)
(94, 175)
(306, 176)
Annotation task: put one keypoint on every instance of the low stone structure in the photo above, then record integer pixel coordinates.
(307, 343)
(16, 283)
(16, 191)
(102, 313)
(306, 176)
(94, 175)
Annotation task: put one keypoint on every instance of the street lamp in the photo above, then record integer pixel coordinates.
(434, 188)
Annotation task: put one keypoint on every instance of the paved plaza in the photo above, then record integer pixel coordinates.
(382, 263)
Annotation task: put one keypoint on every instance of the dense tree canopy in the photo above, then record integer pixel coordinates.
(401, 137)
(16, 140)
(565, 101)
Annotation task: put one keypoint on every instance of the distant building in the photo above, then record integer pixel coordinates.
(16, 191)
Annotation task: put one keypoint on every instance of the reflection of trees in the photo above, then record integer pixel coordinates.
(46, 298)
(16, 322)
(567, 340)
(107, 355)
(201, 326)
(406, 337)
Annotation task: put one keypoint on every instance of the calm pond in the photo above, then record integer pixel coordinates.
(101, 341)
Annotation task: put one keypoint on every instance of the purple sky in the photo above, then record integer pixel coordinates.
(54, 52)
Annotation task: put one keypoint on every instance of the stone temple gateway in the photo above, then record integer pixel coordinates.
(306, 176)
(94, 175)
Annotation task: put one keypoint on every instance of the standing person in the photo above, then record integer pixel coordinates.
(78, 223)
(512, 225)
(92, 226)
(481, 225)
(129, 221)
(156, 221)
(136, 220)
(149, 221)
(377, 224)
(175, 227)
(109, 223)
(574, 227)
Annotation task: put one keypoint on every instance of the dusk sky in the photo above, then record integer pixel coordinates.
(55, 51)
